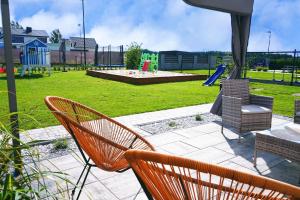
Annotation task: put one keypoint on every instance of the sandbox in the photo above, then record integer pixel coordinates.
(142, 78)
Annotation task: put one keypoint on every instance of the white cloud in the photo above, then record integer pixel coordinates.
(164, 25)
(259, 42)
(152, 38)
(180, 27)
(280, 17)
(42, 20)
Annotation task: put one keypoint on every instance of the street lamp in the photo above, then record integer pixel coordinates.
(83, 26)
(79, 25)
(270, 34)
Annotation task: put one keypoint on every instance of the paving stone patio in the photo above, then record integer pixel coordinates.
(204, 142)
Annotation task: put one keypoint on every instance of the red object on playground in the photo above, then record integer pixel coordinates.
(3, 70)
(146, 65)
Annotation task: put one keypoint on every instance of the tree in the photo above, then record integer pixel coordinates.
(133, 55)
(55, 36)
(16, 25)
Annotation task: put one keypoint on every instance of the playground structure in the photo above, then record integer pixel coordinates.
(213, 78)
(3, 70)
(108, 57)
(284, 65)
(34, 54)
(149, 62)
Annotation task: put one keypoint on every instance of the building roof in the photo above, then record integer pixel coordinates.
(77, 42)
(35, 43)
(22, 32)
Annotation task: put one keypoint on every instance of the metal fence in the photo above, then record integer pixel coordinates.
(280, 66)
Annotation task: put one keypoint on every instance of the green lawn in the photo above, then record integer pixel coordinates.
(117, 99)
(109, 97)
(269, 75)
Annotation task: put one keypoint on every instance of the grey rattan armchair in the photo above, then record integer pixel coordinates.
(241, 110)
(297, 112)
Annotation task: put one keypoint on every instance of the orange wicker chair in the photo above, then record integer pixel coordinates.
(170, 178)
(103, 139)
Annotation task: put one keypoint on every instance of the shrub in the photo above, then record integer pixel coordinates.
(265, 69)
(133, 55)
(172, 124)
(60, 144)
(259, 68)
(198, 117)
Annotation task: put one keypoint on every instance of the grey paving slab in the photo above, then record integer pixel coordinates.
(164, 138)
(286, 171)
(74, 173)
(210, 128)
(66, 162)
(140, 196)
(204, 141)
(265, 161)
(191, 132)
(101, 174)
(236, 148)
(124, 185)
(210, 155)
(178, 148)
(97, 191)
(278, 121)
(235, 166)
(160, 150)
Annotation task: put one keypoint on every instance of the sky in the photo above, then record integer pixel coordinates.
(162, 24)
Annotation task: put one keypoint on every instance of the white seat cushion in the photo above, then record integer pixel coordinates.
(295, 128)
(247, 109)
(289, 132)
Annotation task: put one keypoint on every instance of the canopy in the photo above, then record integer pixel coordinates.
(239, 7)
(241, 12)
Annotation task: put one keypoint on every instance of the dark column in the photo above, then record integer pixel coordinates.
(11, 86)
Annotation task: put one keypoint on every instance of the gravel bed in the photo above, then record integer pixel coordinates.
(177, 123)
(47, 151)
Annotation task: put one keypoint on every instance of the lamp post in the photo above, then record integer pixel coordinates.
(269, 43)
(83, 26)
(79, 25)
(270, 34)
(11, 85)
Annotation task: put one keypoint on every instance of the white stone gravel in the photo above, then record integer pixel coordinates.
(163, 126)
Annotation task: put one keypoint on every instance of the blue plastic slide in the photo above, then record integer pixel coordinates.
(211, 80)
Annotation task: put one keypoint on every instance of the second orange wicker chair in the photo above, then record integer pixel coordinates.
(169, 177)
(103, 139)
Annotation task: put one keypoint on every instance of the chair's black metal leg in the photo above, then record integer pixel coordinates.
(87, 173)
(73, 191)
(149, 196)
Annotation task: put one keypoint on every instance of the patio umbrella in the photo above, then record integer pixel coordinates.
(241, 12)
(11, 86)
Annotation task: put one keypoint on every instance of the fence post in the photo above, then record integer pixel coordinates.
(293, 71)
